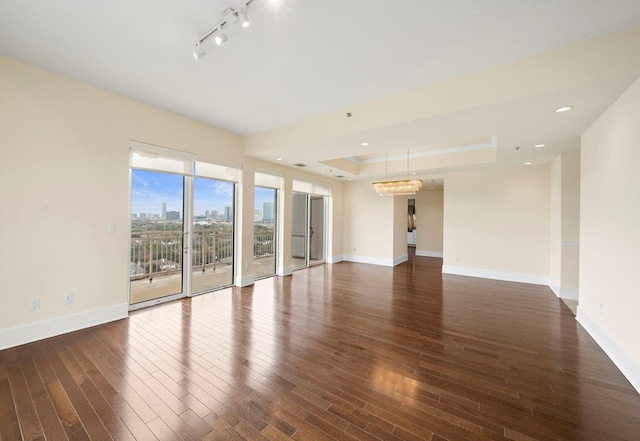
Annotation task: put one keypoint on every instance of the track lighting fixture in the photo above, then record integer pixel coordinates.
(238, 15)
(220, 37)
(199, 51)
(243, 17)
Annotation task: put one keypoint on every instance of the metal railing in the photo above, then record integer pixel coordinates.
(156, 254)
(263, 244)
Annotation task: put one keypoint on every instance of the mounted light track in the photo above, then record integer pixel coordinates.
(237, 15)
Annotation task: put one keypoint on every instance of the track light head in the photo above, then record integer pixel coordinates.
(199, 51)
(243, 17)
(220, 37)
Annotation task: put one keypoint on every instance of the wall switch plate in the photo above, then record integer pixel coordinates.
(68, 299)
(35, 304)
(111, 228)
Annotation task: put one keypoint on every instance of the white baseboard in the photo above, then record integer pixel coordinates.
(426, 253)
(569, 293)
(247, 280)
(31, 332)
(400, 259)
(335, 259)
(564, 292)
(369, 260)
(285, 271)
(534, 279)
(629, 367)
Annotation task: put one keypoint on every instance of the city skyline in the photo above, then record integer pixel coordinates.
(157, 192)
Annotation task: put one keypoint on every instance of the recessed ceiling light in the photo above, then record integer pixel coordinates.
(350, 179)
(321, 171)
(413, 173)
(278, 159)
(538, 146)
(528, 163)
(564, 109)
(364, 143)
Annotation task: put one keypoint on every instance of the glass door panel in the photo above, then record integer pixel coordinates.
(316, 230)
(299, 243)
(157, 232)
(212, 234)
(264, 232)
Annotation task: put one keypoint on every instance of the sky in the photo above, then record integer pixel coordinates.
(150, 189)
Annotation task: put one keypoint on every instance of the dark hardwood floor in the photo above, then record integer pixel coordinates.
(336, 352)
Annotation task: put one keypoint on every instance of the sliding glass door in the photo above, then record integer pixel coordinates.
(157, 235)
(212, 234)
(182, 228)
(308, 235)
(264, 231)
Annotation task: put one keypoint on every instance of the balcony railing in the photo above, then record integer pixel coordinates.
(157, 254)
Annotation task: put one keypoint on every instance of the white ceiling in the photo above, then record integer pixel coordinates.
(303, 62)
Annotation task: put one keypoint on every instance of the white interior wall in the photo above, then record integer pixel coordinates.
(609, 233)
(570, 225)
(565, 226)
(496, 224)
(64, 178)
(400, 222)
(430, 226)
(368, 224)
(555, 225)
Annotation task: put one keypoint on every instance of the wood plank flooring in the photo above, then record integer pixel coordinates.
(335, 352)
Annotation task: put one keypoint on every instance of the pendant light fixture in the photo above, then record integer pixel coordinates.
(406, 187)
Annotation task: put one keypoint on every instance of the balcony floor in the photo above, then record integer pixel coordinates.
(203, 281)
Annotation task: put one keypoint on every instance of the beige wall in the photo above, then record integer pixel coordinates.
(430, 217)
(368, 224)
(570, 225)
(610, 232)
(555, 225)
(496, 223)
(565, 225)
(400, 221)
(64, 177)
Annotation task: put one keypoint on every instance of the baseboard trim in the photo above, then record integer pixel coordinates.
(569, 293)
(533, 279)
(627, 365)
(245, 280)
(335, 259)
(426, 253)
(369, 260)
(35, 331)
(400, 259)
(285, 271)
(563, 292)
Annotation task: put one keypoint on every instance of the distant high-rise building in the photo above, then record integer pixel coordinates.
(228, 214)
(164, 210)
(173, 215)
(257, 215)
(215, 215)
(267, 212)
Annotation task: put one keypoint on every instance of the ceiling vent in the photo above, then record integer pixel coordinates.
(339, 176)
(300, 164)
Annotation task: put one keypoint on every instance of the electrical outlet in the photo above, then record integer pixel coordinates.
(35, 304)
(68, 299)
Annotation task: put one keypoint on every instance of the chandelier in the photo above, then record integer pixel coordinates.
(405, 187)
